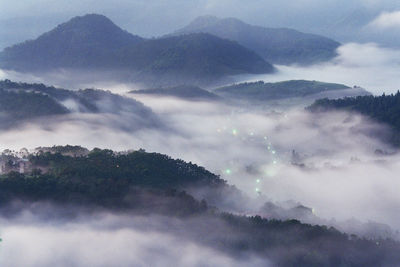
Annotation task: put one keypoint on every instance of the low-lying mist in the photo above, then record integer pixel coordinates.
(106, 239)
(325, 161)
(368, 65)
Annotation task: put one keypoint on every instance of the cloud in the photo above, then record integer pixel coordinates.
(251, 149)
(368, 65)
(387, 20)
(107, 240)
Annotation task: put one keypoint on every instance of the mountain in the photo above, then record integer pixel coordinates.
(184, 91)
(86, 41)
(94, 43)
(23, 101)
(269, 91)
(276, 45)
(384, 109)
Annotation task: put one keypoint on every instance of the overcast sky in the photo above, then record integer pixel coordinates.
(345, 20)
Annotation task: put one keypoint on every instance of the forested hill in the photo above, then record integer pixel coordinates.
(286, 89)
(385, 109)
(149, 183)
(94, 43)
(22, 101)
(101, 177)
(183, 91)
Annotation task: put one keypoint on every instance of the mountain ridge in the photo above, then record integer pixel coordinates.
(276, 45)
(93, 42)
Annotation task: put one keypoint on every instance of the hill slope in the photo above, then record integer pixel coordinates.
(269, 91)
(276, 45)
(22, 101)
(151, 184)
(183, 91)
(86, 41)
(93, 42)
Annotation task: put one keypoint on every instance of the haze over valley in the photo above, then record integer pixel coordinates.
(220, 135)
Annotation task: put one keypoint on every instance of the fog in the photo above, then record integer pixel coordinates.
(341, 20)
(108, 240)
(336, 163)
(252, 148)
(367, 65)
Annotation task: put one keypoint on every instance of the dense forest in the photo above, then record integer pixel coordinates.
(385, 109)
(151, 183)
(103, 178)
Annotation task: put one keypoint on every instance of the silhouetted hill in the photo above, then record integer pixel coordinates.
(22, 101)
(93, 42)
(267, 91)
(183, 91)
(82, 42)
(276, 45)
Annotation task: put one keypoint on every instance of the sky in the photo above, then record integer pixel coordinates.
(344, 20)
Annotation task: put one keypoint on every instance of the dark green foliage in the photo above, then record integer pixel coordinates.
(292, 243)
(183, 91)
(106, 179)
(151, 183)
(267, 91)
(276, 45)
(385, 109)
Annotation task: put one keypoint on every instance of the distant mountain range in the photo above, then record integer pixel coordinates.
(276, 45)
(93, 42)
(184, 91)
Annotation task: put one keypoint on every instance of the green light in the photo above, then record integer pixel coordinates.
(258, 181)
(228, 171)
(234, 132)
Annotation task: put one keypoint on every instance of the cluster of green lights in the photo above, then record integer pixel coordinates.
(272, 151)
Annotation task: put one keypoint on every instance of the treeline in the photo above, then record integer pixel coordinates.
(152, 183)
(385, 109)
(111, 180)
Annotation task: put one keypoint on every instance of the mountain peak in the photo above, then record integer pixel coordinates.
(203, 21)
(93, 27)
(276, 45)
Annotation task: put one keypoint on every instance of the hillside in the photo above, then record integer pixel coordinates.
(23, 101)
(384, 109)
(184, 91)
(94, 43)
(82, 42)
(140, 183)
(276, 45)
(262, 91)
